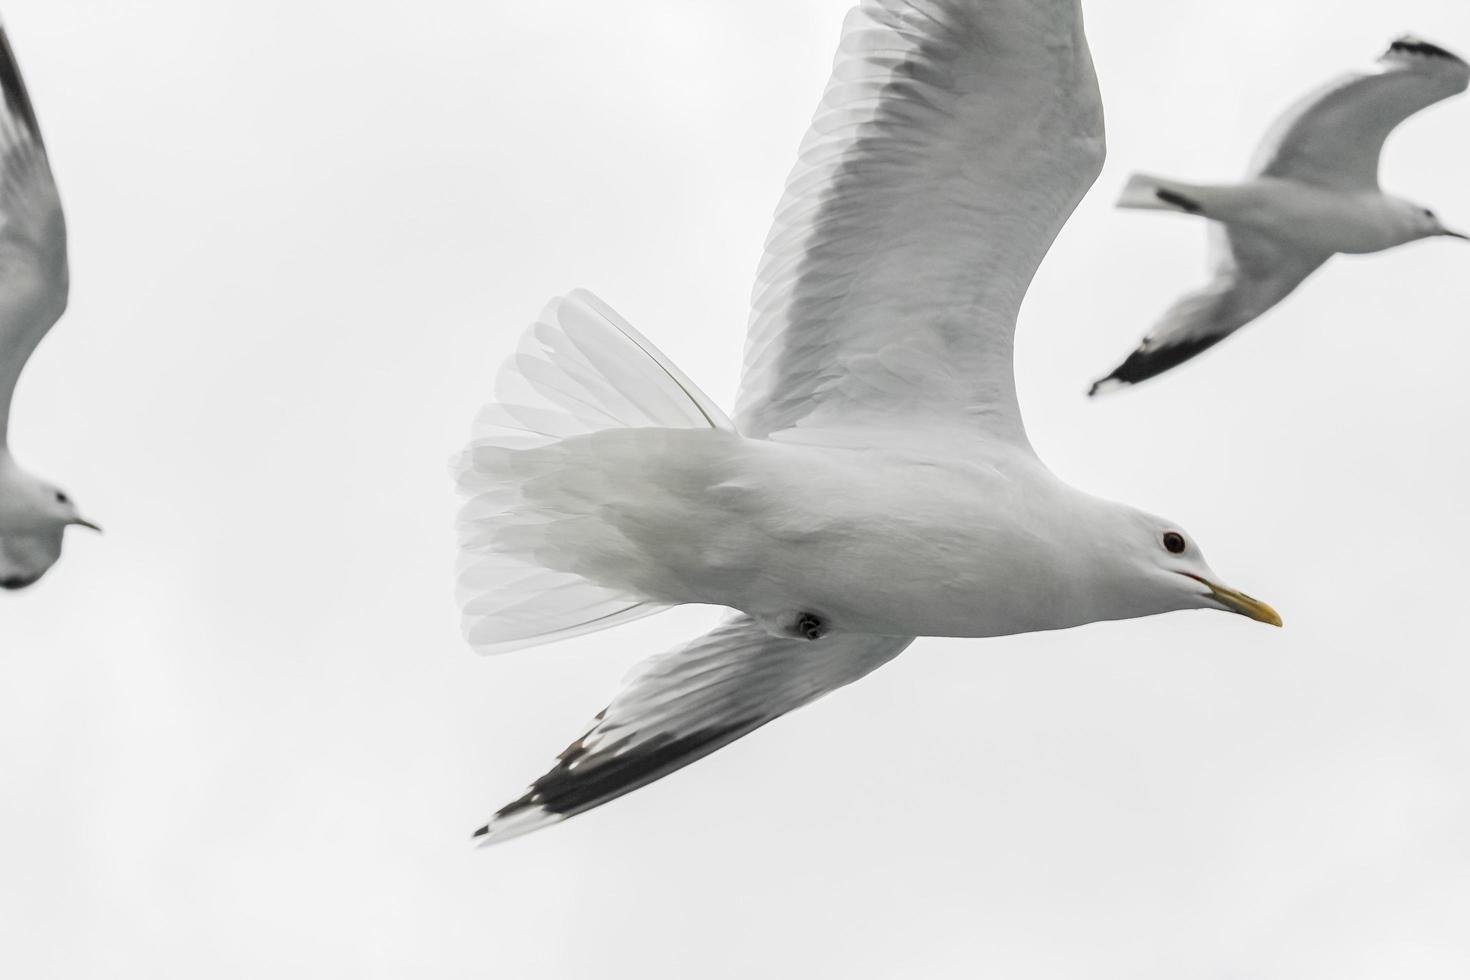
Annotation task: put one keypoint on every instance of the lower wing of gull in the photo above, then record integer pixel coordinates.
(1252, 273)
(683, 705)
(1335, 136)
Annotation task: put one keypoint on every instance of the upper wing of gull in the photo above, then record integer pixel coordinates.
(954, 140)
(33, 276)
(685, 704)
(1334, 137)
(1252, 273)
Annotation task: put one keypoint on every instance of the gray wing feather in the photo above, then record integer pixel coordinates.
(681, 706)
(1252, 273)
(33, 268)
(1335, 136)
(953, 141)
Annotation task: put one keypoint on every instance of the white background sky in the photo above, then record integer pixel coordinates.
(241, 737)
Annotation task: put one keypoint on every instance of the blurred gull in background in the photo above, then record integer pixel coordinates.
(1313, 192)
(34, 514)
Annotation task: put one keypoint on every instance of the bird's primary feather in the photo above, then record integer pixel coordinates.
(1252, 274)
(681, 706)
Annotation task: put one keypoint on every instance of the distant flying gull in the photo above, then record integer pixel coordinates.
(1313, 192)
(33, 284)
(877, 483)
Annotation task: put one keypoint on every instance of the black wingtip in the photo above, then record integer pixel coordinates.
(1411, 45)
(578, 784)
(1150, 361)
(482, 832)
(17, 99)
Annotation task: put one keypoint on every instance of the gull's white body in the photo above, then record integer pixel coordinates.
(33, 290)
(1305, 218)
(967, 545)
(1313, 192)
(876, 483)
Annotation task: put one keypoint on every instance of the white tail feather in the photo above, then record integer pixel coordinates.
(579, 369)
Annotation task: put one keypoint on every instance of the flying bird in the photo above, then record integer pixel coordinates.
(876, 483)
(1312, 192)
(34, 514)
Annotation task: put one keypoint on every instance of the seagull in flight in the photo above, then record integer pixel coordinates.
(876, 483)
(34, 514)
(1312, 192)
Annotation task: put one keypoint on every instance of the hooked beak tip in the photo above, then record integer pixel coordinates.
(1244, 605)
(1269, 616)
(1240, 603)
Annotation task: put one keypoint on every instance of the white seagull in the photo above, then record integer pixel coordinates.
(877, 483)
(33, 284)
(1312, 192)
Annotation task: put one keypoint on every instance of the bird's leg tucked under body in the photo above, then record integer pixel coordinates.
(796, 625)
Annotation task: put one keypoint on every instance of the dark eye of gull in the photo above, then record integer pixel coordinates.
(62, 498)
(1174, 543)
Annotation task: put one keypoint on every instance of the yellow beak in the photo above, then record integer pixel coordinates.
(1239, 602)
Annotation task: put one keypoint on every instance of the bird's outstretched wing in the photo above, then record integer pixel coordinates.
(953, 141)
(685, 704)
(24, 558)
(33, 276)
(1334, 137)
(1252, 274)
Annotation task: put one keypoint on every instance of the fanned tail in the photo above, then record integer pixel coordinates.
(578, 370)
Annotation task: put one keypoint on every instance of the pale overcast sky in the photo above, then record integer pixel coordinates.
(240, 735)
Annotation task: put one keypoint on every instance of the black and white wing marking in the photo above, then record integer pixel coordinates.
(1252, 274)
(954, 140)
(1335, 136)
(681, 706)
(33, 275)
